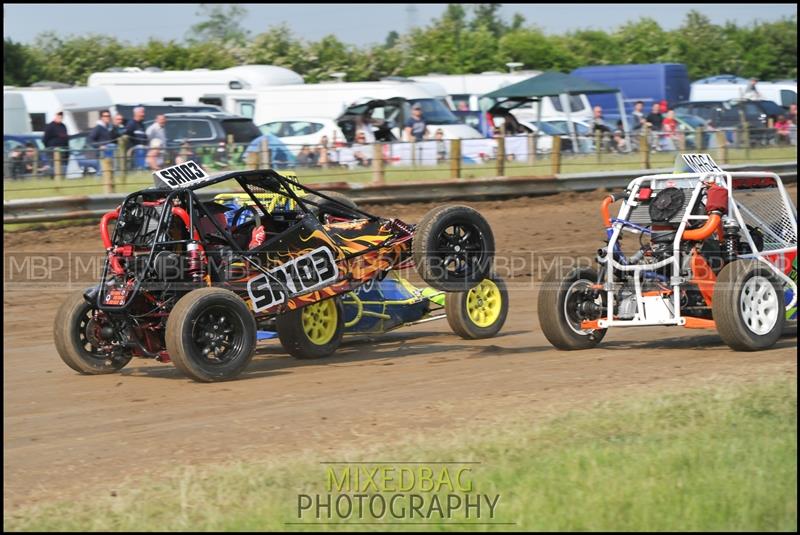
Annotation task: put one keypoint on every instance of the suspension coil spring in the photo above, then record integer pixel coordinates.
(397, 224)
(195, 268)
(730, 241)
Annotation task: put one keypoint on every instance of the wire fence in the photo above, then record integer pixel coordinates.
(32, 171)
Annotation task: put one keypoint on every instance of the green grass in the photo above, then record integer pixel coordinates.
(31, 188)
(717, 458)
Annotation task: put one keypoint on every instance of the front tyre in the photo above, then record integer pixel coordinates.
(564, 302)
(479, 312)
(211, 335)
(77, 337)
(748, 306)
(313, 331)
(453, 248)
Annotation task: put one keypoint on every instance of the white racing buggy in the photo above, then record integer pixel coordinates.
(714, 249)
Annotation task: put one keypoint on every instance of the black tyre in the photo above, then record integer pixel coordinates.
(748, 306)
(76, 338)
(211, 335)
(564, 302)
(326, 207)
(314, 331)
(479, 312)
(453, 248)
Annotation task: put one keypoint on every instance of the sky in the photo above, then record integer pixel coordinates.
(357, 24)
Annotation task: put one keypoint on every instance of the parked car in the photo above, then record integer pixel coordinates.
(207, 133)
(152, 109)
(298, 131)
(731, 114)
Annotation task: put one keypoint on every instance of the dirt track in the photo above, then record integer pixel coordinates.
(65, 433)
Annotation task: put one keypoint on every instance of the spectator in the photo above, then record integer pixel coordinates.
(18, 167)
(752, 91)
(100, 136)
(135, 129)
(306, 157)
(415, 127)
(655, 120)
(186, 154)
(364, 126)
(618, 141)
(117, 127)
(325, 155)
(783, 130)
(463, 106)
(155, 159)
(441, 146)
(597, 122)
(158, 130)
(669, 126)
(361, 150)
(793, 114)
(56, 139)
(638, 115)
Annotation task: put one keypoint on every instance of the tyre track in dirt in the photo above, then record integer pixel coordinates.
(65, 433)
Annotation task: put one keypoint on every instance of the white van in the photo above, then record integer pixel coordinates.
(465, 91)
(81, 106)
(331, 99)
(781, 93)
(230, 89)
(15, 115)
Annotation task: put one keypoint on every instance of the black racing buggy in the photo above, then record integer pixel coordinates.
(184, 283)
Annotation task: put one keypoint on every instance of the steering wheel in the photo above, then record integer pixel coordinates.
(235, 220)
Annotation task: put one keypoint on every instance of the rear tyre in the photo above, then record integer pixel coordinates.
(563, 304)
(314, 331)
(326, 207)
(76, 339)
(748, 306)
(211, 335)
(479, 312)
(453, 248)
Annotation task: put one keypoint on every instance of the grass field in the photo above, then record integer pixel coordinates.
(719, 458)
(31, 188)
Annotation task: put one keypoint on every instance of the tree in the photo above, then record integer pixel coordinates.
(21, 66)
(486, 15)
(221, 25)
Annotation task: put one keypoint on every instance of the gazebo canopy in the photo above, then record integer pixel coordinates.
(550, 84)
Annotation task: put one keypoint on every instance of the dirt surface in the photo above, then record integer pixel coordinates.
(65, 434)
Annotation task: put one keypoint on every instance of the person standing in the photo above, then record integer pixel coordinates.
(158, 130)
(751, 92)
(638, 115)
(56, 139)
(655, 121)
(415, 127)
(100, 135)
(135, 129)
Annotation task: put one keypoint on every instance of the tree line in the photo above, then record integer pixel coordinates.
(463, 40)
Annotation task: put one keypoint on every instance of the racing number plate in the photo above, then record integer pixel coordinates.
(182, 175)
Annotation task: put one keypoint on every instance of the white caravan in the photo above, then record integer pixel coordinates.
(232, 88)
(81, 106)
(331, 99)
(781, 93)
(15, 115)
(465, 91)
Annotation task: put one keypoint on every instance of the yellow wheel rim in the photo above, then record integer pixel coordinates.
(484, 303)
(319, 321)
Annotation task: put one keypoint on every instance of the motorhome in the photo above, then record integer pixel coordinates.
(81, 106)
(15, 115)
(466, 90)
(331, 99)
(781, 93)
(231, 89)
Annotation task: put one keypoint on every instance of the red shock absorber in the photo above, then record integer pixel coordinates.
(195, 269)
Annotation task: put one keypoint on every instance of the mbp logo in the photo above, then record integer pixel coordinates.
(300, 275)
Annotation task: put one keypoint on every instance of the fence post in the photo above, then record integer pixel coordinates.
(532, 148)
(378, 175)
(455, 158)
(252, 160)
(681, 140)
(598, 144)
(699, 138)
(57, 170)
(746, 140)
(35, 164)
(413, 154)
(644, 147)
(555, 156)
(122, 151)
(722, 142)
(501, 156)
(265, 155)
(230, 148)
(107, 165)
